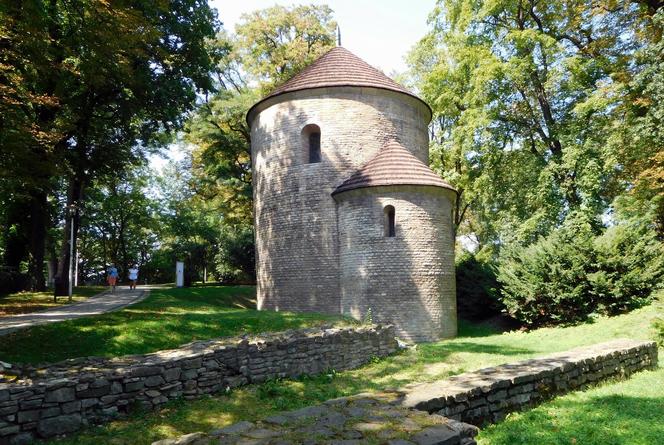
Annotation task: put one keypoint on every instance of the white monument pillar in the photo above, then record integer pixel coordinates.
(179, 274)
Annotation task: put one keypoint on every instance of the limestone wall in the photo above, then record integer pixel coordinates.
(489, 394)
(66, 396)
(295, 219)
(485, 395)
(407, 279)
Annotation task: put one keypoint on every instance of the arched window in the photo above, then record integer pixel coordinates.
(390, 227)
(311, 143)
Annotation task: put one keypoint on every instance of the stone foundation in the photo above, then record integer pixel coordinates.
(64, 397)
(356, 420)
(437, 407)
(489, 394)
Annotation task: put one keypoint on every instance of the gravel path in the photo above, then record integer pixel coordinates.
(98, 304)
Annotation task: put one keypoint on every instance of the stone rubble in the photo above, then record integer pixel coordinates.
(360, 419)
(61, 398)
(434, 413)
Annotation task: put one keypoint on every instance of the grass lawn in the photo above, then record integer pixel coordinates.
(628, 412)
(24, 302)
(593, 417)
(166, 319)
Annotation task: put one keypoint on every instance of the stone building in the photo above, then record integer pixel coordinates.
(349, 217)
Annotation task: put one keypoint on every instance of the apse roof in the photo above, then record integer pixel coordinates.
(393, 165)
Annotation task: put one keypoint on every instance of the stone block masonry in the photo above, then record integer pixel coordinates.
(62, 398)
(435, 408)
(489, 394)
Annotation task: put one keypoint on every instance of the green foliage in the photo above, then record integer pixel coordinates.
(658, 327)
(477, 287)
(118, 226)
(89, 88)
(546, 282)
(529, 103)
(630, 265)
(277, 42)
(235, 259)
(573, 273)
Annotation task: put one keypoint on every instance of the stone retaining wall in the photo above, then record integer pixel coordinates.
(489, 394)
(474, 397)
(63, 397)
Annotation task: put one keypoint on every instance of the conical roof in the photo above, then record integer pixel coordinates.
(337, 68)
(393, 165)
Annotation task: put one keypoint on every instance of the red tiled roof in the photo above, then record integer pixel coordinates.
(393, 165)
(336, 68)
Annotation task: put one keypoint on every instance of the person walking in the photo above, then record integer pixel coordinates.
(112, 277)
(133, 276)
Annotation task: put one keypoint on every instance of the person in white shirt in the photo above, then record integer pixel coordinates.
(133, 276)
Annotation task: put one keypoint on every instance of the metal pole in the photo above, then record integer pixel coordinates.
(78, 255)
(71, 256)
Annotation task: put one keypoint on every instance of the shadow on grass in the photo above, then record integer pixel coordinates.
(603, 420)
(165, 320)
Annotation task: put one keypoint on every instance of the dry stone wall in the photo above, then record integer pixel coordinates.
(63, 397)
(428, 413)
(489, 394)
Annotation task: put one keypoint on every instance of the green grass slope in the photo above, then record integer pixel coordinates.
(600, 416)
(167, 319)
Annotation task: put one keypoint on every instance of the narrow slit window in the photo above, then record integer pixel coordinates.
(311, 143)
(390, 227)
(314, 147)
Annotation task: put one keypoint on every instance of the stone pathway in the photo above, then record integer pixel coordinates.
(361, 419)
(98, 304)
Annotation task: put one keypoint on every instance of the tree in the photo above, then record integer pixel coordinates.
(189, 228)
(523, 95)
(278, 42)
(106, 82)
(639, 137)
(118, 224)
(271, 45)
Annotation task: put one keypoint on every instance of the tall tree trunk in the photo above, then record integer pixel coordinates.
(62, 276)
(38, 221)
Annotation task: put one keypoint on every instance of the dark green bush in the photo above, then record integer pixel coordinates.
(12, 280)
(573, 274)
(658, 327)
(476, 288)
(629, 265)
(236, 259)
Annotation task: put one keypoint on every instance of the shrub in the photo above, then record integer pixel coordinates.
(573, 274)
(545, 282)
(12, 280)
(476, 288)
(658, 327)
(236, 259)
(630, 264)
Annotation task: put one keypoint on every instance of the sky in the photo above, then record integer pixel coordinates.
(379, 31)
